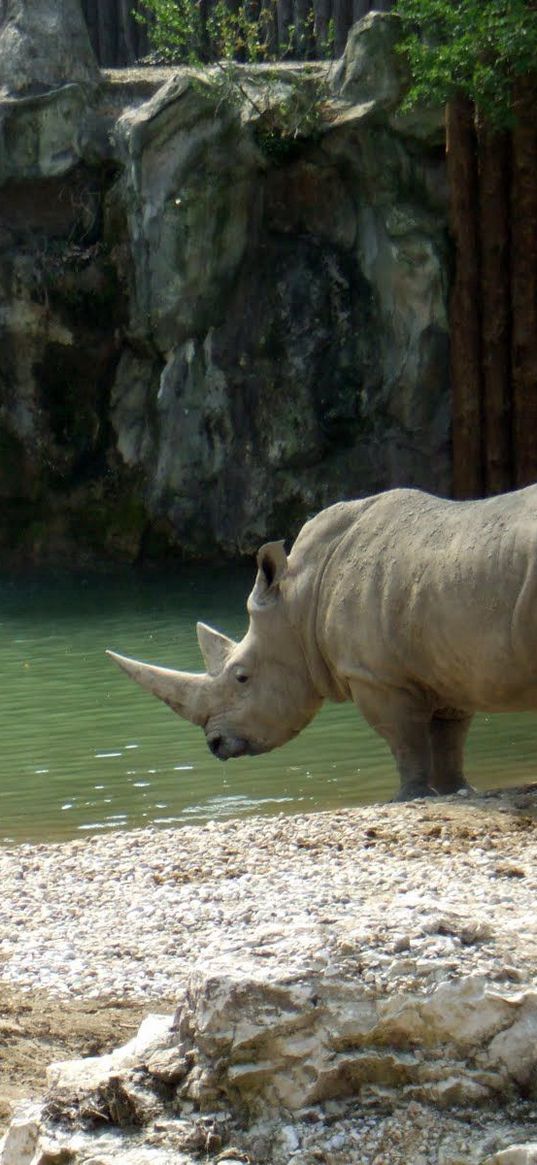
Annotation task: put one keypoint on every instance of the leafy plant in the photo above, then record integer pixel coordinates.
(291, 120)
(201, 31)
(287, 113)
(236, 34)
(478, 48)
(175, 27)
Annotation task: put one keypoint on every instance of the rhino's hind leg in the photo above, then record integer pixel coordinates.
(448, 737)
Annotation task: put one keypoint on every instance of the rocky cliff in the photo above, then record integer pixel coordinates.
(223, 298)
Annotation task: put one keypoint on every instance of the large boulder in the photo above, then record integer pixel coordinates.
(43, 44)
(263, 1062)
(47, 71)
(369, 73)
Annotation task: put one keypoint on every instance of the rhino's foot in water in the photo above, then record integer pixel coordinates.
(414, 791)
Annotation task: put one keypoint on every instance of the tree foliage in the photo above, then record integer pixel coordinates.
(478, 48)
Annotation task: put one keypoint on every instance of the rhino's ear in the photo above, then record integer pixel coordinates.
(215, 648)
(271, 568)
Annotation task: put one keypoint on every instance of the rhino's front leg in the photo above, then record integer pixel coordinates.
(403, 720)
(448, 737)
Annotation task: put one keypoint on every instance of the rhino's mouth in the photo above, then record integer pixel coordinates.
(228, 747)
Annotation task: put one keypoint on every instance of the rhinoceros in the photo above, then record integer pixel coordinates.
(420, 610)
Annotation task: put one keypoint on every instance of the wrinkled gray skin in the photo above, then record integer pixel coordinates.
(422, 611)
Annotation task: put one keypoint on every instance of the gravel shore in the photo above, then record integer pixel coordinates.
(418, 893)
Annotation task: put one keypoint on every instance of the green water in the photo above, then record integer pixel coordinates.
(84, 750)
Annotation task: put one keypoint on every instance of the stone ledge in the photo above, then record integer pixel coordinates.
(246, 1055)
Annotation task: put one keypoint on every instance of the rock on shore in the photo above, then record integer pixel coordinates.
(357, 986)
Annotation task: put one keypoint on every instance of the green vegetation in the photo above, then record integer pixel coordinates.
(474, 48)
(292, 119)
(179, 30)
(288, 114)
(189, 31)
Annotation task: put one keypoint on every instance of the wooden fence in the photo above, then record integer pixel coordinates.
(119, 40)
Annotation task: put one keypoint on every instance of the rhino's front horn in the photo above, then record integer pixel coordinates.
(184, 693)
(215, 648)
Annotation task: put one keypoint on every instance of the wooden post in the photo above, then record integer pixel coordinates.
(466, 381)
(524, 283)
(126, 47)
(494, 182)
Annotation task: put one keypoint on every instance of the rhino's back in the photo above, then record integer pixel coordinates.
(417, 589)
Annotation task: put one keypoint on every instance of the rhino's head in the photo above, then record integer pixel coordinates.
(256, 694)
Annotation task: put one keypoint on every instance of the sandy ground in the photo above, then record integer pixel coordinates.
(36, 1029)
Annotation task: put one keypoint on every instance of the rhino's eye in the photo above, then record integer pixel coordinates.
(241, 676)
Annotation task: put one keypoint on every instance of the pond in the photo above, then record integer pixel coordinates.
(84, 750)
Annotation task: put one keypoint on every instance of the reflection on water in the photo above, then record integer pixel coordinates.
(84, 750)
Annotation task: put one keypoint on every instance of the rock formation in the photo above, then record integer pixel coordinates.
(43, 45)
(224, 300)
(254, 1062)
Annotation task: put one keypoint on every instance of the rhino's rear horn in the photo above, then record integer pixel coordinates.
(215, 648)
